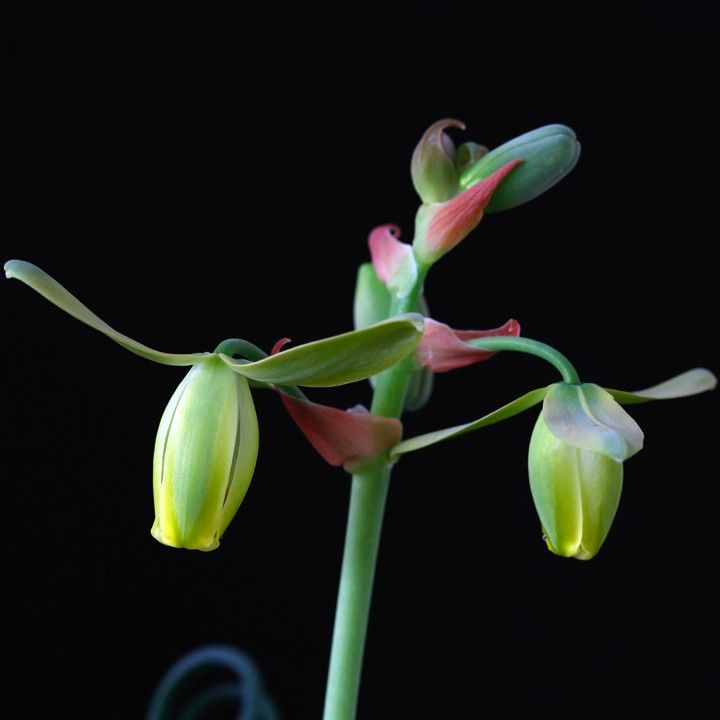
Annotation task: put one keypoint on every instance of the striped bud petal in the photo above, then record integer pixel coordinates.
(205, 455)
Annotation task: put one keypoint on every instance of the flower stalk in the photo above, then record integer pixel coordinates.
(362, 541)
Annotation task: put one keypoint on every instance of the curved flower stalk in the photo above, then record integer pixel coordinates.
(579, 443)
(207, 442)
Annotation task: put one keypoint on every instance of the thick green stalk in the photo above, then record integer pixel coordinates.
(367, 504)
(362, 540)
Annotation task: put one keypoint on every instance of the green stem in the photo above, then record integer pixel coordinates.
(241, 348)
(362, 540)
(367, 504)
(532, 347)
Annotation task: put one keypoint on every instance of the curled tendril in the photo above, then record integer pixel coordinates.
(197, 687)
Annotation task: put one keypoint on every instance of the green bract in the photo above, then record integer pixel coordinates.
(332, 361)
(372, 300)
(372, 303)
(548, 154)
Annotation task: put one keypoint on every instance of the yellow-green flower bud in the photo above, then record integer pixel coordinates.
(205, 455)
(575, 464)
(576, 493)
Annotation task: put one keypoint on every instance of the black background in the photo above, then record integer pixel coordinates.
(197, 171)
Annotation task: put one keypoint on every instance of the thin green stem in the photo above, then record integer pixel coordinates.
(532, 347)
(242, 348)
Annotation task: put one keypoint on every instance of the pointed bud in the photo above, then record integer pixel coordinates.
(433, 163)
(548, 153)
(440, 227)
(205, 455)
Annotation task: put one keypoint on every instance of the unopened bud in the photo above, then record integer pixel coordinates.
(205, 455)
(433, 163)
(548, 154)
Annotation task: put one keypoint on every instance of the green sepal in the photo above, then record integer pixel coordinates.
(506, 411)
(691, 382)
(339, 359)
(372, 300)
(548, 154)
(50, 289)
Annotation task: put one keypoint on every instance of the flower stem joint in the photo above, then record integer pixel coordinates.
(205, 455)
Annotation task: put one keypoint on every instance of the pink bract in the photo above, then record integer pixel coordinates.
(343, 437)
(442, 348)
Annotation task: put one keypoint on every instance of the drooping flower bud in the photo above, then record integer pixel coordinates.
(548, 153)
(205, 454)
(433, 163)
(575, 465)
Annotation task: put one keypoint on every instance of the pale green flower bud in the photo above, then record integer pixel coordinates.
(576, 493)
(575, 464)
(205, 454)
(548, 153)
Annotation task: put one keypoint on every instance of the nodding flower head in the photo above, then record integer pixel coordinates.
(207, 443)
(205, 454)
(575, 462)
